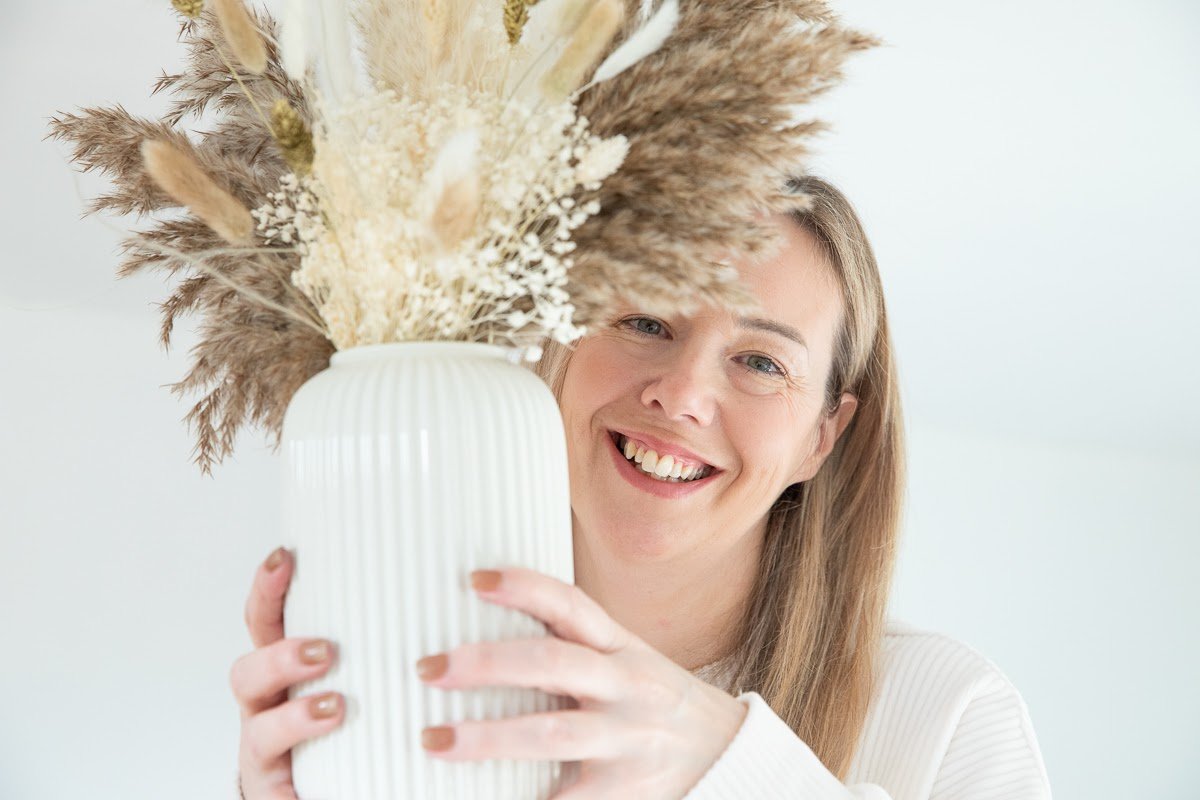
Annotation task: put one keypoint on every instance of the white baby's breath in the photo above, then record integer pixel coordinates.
(361, 220)
(601, 158)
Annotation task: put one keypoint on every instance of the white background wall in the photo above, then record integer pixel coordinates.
(1028, 177)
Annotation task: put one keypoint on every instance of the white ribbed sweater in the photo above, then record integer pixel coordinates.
(944, 724)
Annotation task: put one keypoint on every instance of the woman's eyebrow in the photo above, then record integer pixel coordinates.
(771, 326)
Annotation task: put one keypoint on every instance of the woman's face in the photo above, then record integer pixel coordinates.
(731, 407)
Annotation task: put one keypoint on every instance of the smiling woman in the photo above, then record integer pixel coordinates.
(736, 486)
(802, 552)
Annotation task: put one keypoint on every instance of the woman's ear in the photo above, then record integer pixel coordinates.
(828, 432)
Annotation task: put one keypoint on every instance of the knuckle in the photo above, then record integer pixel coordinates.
(278, 666)
(472, 659)
(548, 653)
(653, 693)
(575, 607)
(235, 676)
(253, 748)
(578, 600)
(557, 728)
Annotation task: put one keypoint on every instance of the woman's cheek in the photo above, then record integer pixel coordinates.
(774, 430)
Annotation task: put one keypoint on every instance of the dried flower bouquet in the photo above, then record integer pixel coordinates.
(399, 170)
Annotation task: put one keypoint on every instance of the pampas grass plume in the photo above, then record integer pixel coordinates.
(435, 14)
(244, 40)
(589, 40)
(179, 176)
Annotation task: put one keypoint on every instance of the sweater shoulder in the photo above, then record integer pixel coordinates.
(947, 705)
(912, 651)
(928, 680)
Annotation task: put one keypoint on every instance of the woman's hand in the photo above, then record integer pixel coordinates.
(641, 725)
(271, 724)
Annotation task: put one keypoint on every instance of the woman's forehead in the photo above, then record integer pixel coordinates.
(796, 286)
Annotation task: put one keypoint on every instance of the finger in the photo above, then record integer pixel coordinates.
(260, 678)
(554, 736)
(552, 665)
(264, 606)
(269, 735)
(566, 609)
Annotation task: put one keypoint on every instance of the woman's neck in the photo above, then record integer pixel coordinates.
(687, 607)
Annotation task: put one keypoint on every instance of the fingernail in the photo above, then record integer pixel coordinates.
(437, 738)
(485, 580)
(324, 706)
(315, 652)
(433, 667)
(275, 559)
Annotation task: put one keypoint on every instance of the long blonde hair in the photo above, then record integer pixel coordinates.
(811, 633)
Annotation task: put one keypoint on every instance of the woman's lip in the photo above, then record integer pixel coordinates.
(665, 448)
(641, 480)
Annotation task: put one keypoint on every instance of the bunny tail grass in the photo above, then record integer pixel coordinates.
(179, 176)
(243, 38)
(588, 42)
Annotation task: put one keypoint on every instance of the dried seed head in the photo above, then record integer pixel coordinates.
(186, 182)
(516, 14)
(293, 137)
(189, 8)
(243, 38)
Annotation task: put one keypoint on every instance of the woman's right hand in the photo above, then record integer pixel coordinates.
(272, 724)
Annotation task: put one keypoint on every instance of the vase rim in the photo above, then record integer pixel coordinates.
(368, 352)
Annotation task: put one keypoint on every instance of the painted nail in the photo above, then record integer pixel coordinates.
(485, 580)
(324, 706)
(275, 559)
(315, 652)
(437, 738)
(433, 667)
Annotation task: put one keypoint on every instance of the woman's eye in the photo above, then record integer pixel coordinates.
(763, 364)
(650, 327)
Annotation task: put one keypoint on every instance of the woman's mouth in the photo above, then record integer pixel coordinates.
(665, 467)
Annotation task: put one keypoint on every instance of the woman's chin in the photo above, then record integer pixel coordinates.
(643, 539)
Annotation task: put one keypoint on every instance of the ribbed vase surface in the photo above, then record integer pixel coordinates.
(406, 466)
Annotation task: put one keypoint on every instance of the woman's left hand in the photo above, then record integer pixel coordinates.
(641, 726)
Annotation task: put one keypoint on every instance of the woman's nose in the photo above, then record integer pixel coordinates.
(684, 390)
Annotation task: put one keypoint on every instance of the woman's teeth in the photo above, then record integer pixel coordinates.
(664, 468)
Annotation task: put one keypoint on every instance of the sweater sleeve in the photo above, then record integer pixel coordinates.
(991, 753)
(766, 759)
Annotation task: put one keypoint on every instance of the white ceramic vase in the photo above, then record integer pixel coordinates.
(406, 466)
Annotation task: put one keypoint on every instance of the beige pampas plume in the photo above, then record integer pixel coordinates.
(183, 179)
(588, 41)
(715, 124)
(244, 39)
(249, 358)
(436, 16)
(413, 46)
